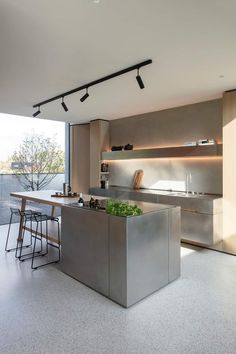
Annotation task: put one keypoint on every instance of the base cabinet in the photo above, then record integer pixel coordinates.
(201, 218)
(201, 228)
(123, 258)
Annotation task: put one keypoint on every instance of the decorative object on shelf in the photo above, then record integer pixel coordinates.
(104, 167)
(206, 142)
(93, 83)
(104, 176)
(120, 208)
(190, 143)
(138, 176)
(103, 184)
(128, 147)
(117, 148)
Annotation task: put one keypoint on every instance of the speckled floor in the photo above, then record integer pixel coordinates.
(45, 311)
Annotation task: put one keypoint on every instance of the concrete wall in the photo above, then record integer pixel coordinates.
(170, 127)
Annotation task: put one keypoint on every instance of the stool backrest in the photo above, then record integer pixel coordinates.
(15, 211)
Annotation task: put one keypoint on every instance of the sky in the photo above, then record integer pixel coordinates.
(14, 128)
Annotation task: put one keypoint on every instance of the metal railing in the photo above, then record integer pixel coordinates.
(9, 183)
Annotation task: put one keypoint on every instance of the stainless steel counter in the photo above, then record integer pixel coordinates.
(201, 214)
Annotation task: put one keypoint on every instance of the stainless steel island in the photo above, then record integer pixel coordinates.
(123, 258)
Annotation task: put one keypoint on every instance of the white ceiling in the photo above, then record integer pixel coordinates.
(51, 46)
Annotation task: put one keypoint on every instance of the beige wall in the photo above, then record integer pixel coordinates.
(87, 143)
(170, 127)
(79, 151)
(229, 164)
(99, 141)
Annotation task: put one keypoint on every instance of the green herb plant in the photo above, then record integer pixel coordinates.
(120, 208)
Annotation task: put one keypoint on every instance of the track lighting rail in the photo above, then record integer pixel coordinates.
(92, 83)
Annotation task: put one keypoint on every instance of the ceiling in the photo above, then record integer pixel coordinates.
(49, 47)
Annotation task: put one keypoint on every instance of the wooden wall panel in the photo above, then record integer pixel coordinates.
(229, 164)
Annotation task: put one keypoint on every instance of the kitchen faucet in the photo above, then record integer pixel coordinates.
(188, 180)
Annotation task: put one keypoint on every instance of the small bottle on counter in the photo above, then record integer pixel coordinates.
(81, 201)
(91, 202)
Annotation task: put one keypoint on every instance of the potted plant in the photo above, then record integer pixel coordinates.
(120, 208)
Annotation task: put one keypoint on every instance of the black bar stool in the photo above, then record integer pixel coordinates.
(27, 216)
(39, 219)
(18, 215)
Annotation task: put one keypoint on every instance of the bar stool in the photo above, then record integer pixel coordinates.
(15, 213)
(27, 216)
(39, 219)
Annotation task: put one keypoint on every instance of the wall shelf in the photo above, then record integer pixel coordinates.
(167, 152)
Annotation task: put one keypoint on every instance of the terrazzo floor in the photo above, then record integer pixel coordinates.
(45, 311)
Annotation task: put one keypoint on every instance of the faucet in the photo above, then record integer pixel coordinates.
(188, 180)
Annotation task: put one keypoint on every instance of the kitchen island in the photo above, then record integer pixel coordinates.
(123, 258)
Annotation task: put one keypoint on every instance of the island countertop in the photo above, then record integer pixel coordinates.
(144, 206)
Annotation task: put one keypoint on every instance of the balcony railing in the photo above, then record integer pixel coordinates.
(9, 183)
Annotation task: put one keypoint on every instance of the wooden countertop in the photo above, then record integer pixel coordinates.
(45, 197)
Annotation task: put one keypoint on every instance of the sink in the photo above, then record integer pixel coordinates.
(182, 194)
(189, 195)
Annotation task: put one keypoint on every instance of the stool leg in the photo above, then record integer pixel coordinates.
(20, 237)
(46, 236)
(41, 225)
(22, 240)
(8, 233)
(59, 242)
(36, 235)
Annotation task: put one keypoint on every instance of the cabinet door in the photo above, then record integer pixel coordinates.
(197, 227)
(84, 245)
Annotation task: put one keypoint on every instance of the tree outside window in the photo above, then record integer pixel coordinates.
(37, 161)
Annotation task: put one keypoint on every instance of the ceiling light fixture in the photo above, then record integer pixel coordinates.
(64, 105)
(93, 83)
(139, 80)
(37, 112)
(84, 97)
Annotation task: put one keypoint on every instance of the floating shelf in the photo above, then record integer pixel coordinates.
(168, 152)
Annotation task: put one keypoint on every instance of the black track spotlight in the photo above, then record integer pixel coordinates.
(139, 80)
(84, 97)
(64, 105)
(87, 85)
(37, 112)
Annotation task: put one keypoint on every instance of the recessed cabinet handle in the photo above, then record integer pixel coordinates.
(190, 210)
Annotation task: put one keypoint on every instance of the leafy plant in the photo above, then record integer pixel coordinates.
(120, 208)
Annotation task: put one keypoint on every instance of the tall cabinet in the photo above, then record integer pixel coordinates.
(87, 141)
